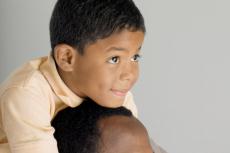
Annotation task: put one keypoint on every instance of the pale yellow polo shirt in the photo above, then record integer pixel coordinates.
(29, 100)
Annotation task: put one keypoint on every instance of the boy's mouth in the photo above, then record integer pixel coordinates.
(120, 93)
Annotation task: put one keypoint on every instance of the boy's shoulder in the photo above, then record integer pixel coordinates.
(26, 76)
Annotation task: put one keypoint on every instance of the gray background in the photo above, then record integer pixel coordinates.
(183, 92)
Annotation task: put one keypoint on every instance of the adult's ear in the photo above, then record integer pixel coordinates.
(65, 57)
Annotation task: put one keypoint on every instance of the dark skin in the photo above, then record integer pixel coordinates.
(106, 71)
(121, 134)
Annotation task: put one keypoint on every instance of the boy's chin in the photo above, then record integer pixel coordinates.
(112, 102)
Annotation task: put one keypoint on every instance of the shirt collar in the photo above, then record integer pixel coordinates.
(49, 70)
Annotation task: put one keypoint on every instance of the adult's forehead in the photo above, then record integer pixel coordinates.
(119, 123)
(123, 134)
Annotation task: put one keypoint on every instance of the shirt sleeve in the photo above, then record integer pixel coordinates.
(26, 121)
(130, 104)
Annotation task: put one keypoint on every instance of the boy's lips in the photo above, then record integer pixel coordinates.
(120, 93)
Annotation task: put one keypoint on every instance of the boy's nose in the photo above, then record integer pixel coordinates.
(129, 73)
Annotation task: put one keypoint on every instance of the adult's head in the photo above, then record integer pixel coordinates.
(90, 128)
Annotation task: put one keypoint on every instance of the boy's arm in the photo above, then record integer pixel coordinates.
(26, 121)
(130, 104)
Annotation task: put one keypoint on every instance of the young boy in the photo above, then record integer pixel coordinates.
(95, 52)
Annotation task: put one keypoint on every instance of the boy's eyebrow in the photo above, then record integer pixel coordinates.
(120, 49)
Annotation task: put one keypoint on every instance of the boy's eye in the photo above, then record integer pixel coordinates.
(114, 60)
(136, 58)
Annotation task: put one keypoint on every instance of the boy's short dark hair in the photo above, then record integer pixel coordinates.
(80, 22)
(76, 129)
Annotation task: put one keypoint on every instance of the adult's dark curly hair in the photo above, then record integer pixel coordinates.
(80, 22)
(76, 129)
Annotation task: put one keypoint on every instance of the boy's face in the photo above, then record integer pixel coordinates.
(108, 68)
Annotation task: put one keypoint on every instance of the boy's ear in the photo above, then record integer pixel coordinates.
(65, 57)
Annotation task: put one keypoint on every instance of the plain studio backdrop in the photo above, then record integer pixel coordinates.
(183, 94)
